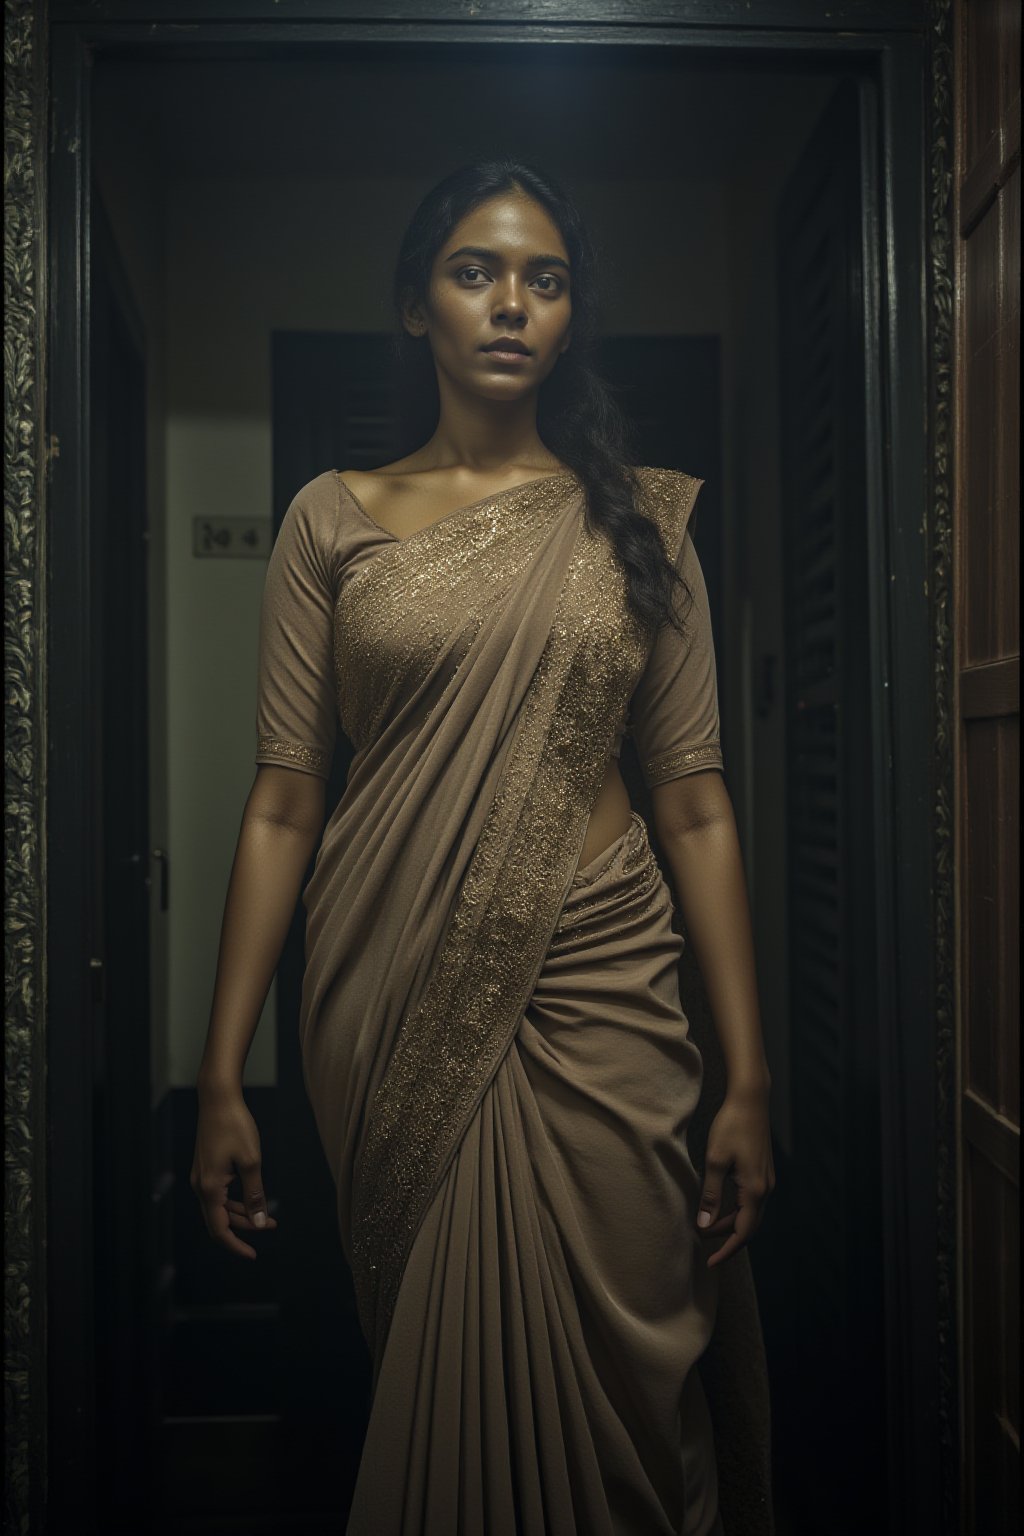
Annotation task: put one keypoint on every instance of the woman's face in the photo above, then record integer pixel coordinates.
(503, 272)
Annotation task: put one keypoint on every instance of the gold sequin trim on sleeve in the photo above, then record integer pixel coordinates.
(295, 753)
(684, 760)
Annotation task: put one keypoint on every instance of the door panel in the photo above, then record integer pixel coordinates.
(129, 1264)
(837, 1325)
(987, 641)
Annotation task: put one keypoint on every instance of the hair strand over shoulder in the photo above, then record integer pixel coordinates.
(578, 416)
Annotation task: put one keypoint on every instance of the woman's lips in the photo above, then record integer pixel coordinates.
(505, 357)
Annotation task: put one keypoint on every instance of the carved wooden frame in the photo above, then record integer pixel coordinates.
(940, 276)
(25, 118)
(26, 109)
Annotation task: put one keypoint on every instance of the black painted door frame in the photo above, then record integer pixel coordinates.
(887, 46)
(123, 1197)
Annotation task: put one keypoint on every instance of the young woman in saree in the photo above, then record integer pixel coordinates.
(492, 1036)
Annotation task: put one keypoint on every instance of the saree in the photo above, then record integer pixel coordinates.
(492, 1039)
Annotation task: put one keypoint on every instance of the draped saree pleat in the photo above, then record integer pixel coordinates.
(554, 1302)
(492, 1038)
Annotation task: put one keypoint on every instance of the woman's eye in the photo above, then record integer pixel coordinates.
(550, 283)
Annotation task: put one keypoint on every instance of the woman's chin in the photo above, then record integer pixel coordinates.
(502, 389)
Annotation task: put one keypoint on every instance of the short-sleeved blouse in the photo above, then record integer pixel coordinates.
(326, 537)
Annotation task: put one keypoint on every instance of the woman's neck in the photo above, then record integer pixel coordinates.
(485, 436)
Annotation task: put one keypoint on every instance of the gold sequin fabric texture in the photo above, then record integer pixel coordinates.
(660, 769)
(292, 752)
(522, 866)
(416, 607)
(634, 860)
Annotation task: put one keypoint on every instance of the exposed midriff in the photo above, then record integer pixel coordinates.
(610, 815)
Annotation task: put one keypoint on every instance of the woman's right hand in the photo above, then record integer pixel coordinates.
(228, 1141)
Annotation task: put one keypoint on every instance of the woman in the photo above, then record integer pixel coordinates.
(491, 1030)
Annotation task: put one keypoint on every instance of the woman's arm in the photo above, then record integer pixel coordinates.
(696, 826)
(694, 819)
(281, 823)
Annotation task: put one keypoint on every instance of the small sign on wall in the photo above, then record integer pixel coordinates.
(231, 538)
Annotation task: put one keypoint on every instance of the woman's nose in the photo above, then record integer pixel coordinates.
(509, 302)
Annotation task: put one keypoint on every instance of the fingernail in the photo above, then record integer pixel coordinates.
(260, 1218)
(704, 1219)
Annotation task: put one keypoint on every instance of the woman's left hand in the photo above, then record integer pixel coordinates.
(740, 1142)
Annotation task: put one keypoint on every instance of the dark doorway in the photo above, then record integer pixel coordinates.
(832, 1312)
(113, 1309)
(891, 38)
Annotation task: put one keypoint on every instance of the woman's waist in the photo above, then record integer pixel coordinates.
(618, 892)
(609, 815)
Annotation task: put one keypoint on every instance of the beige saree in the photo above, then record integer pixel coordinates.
(492, 1037)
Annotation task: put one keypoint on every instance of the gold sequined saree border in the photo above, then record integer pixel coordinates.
(502, 922)
(514, 888)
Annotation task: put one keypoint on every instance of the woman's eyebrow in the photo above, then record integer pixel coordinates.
(485, 255)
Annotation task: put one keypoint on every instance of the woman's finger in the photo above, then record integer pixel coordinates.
(239, 1206)
(242, 1219)
(236, 1208)
(723, 1224)
(726, 1251)
(253, 1194)
(747, 1218)
(218, 1225)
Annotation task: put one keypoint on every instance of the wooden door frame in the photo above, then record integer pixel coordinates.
(903, 48)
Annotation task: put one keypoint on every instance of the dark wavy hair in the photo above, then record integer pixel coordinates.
(578, 416)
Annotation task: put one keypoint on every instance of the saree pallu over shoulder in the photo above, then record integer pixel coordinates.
(521, 608)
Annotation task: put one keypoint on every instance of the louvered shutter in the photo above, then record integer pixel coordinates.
(834, 1048)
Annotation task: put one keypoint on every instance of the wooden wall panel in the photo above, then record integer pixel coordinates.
(991, 967)
(987, 637)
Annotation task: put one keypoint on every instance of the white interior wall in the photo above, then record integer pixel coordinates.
(245, 256)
